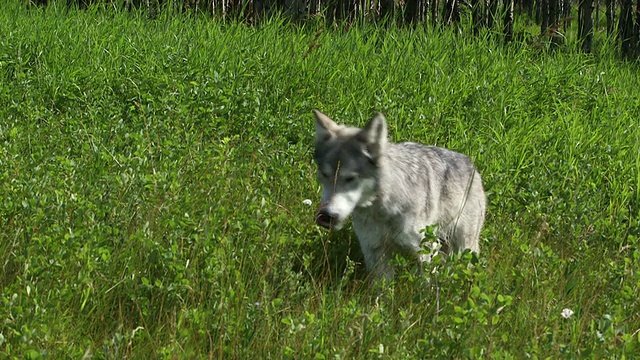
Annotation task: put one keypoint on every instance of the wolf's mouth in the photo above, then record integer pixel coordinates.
(324, 219)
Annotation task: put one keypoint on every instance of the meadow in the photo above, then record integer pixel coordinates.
(153, 174)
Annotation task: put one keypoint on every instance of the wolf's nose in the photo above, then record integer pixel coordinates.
(325, 219)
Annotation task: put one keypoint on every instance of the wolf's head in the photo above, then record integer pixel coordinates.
(347, 159)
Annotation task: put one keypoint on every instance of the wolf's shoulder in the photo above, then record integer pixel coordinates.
(422, 149)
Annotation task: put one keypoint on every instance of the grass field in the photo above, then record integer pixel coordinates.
(153, 172)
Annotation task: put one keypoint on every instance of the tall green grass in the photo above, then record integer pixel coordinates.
(153, 172)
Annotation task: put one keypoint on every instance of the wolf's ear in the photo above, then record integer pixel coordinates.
(325, 127)
(374, 135)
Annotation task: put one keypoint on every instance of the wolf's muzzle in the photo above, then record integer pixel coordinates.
(325, 219)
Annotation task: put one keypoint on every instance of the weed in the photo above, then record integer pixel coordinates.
(153, 172)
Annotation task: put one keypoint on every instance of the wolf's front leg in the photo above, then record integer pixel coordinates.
(377, 259)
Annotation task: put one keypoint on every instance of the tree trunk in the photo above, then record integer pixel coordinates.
(555, 14)
(585, 25)
(597, 15)
(636, 30)
(492, 10)
(554, 10)
(565, 14)
(626, 27)
(528, 6)
(347, 8)
(541, 13)
(544, 15)
(609, 14)
(435, 11)
(411, 10)
(508, 20)
(386, 9)
(424, 9)
(476, 15)
(451, 12)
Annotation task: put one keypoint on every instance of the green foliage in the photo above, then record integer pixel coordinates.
(153, 172)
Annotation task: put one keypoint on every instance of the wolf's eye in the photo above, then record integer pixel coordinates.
(350, 179)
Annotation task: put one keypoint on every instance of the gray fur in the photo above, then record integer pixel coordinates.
(394, 190)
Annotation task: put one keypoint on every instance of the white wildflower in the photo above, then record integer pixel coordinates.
(307, 202)
(566, 313)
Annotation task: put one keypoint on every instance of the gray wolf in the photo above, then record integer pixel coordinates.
(392, 191)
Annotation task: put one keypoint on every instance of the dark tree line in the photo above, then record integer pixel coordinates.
(553, 16)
